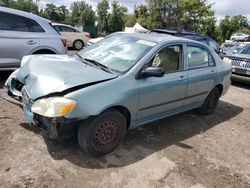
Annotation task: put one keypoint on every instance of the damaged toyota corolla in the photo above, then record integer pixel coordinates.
(119, 83)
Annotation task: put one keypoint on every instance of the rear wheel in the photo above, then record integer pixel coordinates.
(78, 44)
(101, 135)
(210, 103)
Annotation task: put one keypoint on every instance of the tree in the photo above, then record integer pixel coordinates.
(25, 5)
(103, 16)
(7, 3)
(82, 14)
(197, 15)
(141, 15)
(50, 12)
(164, 13)
(63, 13)
(117, 17)
(229, 25)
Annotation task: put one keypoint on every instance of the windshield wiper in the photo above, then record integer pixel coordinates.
(103, 67)
(80, 57)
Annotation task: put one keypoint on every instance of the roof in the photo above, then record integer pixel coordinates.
(157, 38)
(24, 14)
(175, 32)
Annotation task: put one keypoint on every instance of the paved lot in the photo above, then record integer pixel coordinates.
(186, 150)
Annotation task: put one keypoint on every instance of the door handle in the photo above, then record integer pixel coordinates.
(212, 70)
(31, 42)
(181, 77)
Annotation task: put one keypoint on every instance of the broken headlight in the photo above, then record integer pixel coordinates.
(54, 106)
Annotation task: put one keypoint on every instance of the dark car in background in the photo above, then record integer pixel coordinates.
(193, 36)
(240, 65)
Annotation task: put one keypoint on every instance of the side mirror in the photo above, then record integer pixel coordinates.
(220, 50)
(153, 72)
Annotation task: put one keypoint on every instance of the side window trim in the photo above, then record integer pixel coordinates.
(201, 47)
(29, 23)
(181, 66)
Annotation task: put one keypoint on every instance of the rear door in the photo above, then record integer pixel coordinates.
(201, 75)
(18, 37)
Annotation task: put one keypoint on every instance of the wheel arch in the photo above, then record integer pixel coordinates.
(220, 87)
(44, 51)
(123, 110)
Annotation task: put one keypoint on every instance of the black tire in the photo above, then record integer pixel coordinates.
(78, 44)
(210, 103)
(103, 134)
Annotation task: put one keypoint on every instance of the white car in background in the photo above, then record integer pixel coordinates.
(240, 37)
(74, 37)
(95, 40)
(23, 33)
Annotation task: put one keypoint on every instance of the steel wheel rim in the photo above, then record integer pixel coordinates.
(106, 134)
(212, 100)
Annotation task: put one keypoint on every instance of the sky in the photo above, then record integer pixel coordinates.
(221, 7)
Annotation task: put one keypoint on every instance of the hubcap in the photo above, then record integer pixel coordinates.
(212, 101)
(78, 44)
(105, 134)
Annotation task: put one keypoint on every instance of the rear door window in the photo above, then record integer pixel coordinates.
(199, 58)
(12, 22)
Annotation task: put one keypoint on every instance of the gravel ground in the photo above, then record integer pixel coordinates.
(186, 150)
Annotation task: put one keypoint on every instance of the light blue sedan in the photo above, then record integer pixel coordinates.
(122, 82)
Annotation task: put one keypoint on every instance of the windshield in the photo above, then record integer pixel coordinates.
(118, 52)
(245, 50)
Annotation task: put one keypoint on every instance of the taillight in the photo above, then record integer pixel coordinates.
(64, 41)
(87, 35)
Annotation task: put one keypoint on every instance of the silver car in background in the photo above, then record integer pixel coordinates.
(23, 33)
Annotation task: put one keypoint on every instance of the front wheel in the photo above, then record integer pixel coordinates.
(210, 103)
(101, 135)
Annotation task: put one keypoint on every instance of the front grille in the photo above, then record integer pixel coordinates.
(25, 97)
(241, 63)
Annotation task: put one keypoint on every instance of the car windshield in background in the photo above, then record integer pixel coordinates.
(245, 50)
(118, 53)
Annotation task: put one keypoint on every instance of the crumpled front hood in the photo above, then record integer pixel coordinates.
(46, 74)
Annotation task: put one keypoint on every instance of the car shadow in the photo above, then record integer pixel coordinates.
(241, 85)
(143, 141)
(3, 77)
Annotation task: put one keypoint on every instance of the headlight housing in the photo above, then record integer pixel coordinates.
(227, 60)
(54, 106)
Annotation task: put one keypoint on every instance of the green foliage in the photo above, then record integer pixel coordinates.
(103, 16)
(197, 15)
(117, 17)
(50, 12)
(141, 15)
(82, 14)
(25, 5)
(230, 25)
(191, 15)
(164, 13)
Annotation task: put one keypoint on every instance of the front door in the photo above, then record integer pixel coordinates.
(159, 97)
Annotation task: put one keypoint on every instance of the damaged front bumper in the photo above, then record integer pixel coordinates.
(15, 93)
